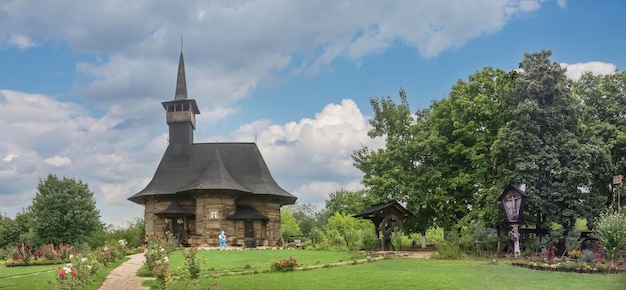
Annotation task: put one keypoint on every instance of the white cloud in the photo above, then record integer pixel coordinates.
(21, 41)
(575, 71)
(135, 41)
(44, 136)
(59, 161)
(312, 157)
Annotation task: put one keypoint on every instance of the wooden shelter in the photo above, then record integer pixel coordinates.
(200, 189)
(387, 218)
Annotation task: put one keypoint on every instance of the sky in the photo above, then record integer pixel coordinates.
(81, 82)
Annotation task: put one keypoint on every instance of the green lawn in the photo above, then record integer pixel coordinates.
(6, 272)
(258, 259)
(397, 273)
(406, 273)
(37, 277)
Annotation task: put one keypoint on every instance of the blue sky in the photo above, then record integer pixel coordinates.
(81, 82)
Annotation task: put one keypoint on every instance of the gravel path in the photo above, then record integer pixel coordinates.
(124, 277)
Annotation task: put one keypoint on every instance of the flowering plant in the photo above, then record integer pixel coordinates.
(285, 265)
(575, 253)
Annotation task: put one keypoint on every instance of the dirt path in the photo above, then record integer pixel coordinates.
(124, 277)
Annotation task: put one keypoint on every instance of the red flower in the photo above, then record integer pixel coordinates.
(62, 273)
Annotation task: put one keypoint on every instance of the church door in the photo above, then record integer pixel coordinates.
(249, 228)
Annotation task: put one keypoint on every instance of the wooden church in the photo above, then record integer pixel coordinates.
(201, 189)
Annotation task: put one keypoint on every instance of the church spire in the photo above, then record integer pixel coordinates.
(181, 82)
(180, 114)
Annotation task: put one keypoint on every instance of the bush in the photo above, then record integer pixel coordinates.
(192, 266)
(285, 265)
(475, 238)
(447, 250)
(352, 238)
(610, 232)
(317, 236)
(368, 240)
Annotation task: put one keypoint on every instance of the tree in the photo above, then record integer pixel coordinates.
(349, 202)
(9, 231)
(541, 146)
(64, 211)
(604, 121)
(305, 215)
(390, 173)
(289, 227)
(456, 153)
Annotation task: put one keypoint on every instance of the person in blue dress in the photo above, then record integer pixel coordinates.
(222, 237)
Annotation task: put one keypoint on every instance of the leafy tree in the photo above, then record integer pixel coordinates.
(64, 211)
(604, 121)
(349, 202)
(390, 173)
(306, 215)
(440, 161)
(9, 231)
(540, 146)
(289, 227)
(456, 153)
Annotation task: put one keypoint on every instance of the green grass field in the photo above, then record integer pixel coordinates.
(37, 277)
(397, 273)
(406, 273)
(259, 260)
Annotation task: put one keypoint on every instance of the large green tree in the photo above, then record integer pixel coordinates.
(390, 172)
(9, 231)
(604, 121)
(456, 154)
(349, 201)
(64, 211)
(540, 146)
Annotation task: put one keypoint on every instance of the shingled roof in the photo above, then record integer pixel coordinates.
(214, 166)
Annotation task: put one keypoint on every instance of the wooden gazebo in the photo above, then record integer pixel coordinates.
(387, 217)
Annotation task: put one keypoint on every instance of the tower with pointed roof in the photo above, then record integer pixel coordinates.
(201, 189)
(181, 112)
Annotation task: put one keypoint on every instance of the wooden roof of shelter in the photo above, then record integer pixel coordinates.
(383, 209)
(245, 212)
(174, 210)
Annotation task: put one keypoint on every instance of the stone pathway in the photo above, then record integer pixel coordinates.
(124, 277)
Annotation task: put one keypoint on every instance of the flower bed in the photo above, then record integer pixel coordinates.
(573, 266)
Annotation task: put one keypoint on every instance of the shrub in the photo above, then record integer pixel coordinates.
(76, 274)
(447, 250)
(317, 236)
(193, 268)
(610, 232)
(285, 265)
(23, 252)
(352, 239)
(396, 240)
(588, 257)
(368, 240)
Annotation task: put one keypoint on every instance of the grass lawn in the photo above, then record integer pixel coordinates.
(397, 273)
(258, 259)
(406, 273)
(37, 277)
